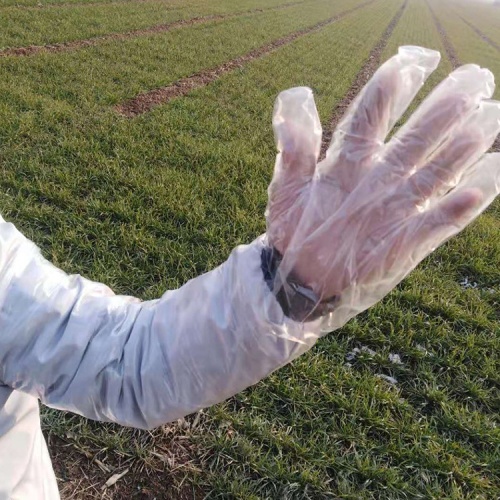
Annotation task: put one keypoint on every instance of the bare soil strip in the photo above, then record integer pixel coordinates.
(496, 145)
(145, 102)
(168, 6)
(44, 6)
(161, 28)
(486, 38)
(365, 73)
(448, 46)
(169, 453)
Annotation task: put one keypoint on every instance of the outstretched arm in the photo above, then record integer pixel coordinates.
(78, 347)
(341, 234)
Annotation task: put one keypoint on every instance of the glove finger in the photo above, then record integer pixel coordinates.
(460, 153)
(449, 105)
(418, 236)
(475, 192)
(365, 126)
(297, 130)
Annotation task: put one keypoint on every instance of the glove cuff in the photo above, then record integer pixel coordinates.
(299, 302)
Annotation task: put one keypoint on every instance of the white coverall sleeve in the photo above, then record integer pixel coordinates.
(78, 347)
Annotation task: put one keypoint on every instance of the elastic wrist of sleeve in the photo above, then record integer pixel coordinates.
(299, 302)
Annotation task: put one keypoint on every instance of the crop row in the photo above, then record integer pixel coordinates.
(37, 5)
(483, 15)
(146, 101)
(468, 45)
(23, 28)
(114, 71)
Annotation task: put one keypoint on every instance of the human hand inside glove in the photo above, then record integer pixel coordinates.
(350, 227)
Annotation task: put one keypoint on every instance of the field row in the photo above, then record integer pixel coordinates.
(268, 18)
(482, 15)
(21, 28)
(56, 4)
(114, 72)
(146, 101)
(472, 36)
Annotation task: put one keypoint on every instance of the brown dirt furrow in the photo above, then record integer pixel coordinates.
(77, 44)
(480, 33)
(44, 6)
(161, 28)
(167, 455)
(41, 6)
(148, 100)
(496, 145)
(365, 73)
(448, 46)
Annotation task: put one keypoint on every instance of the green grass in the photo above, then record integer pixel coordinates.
(470, 48)
(146, 204)
(20, 27)
(113, 71)
(35, 5)
(485, 16)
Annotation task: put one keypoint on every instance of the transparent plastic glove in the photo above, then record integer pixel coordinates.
(354, 225)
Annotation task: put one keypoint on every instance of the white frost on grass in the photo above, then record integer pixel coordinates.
(351, 356)
(387, 378)
(357, 351)
(467, 283)
(422, 349)
(395, 359)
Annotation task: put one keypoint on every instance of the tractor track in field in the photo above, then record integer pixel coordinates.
(496, 145)
(365, 73)
(448, 46)
(478, 32)
(116, 3)
(161, 28)
(452, 55)
(148, 100)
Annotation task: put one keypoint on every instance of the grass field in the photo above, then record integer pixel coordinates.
(145, 203)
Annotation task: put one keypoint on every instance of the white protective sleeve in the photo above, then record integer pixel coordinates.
(78, 347)
(25, 469)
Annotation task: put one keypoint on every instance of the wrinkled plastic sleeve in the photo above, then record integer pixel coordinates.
(78, 347)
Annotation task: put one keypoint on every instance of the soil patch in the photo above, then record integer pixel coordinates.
(362, 78)
(86, 474)
(448, 46)
(161, 28)
(148, 100)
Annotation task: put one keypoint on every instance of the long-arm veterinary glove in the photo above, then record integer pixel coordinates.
(350, 227)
